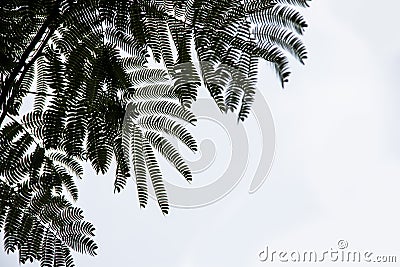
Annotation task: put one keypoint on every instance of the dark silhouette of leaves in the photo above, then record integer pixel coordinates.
(95, 98)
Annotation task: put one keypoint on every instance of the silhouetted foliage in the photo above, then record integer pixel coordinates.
(96, 99)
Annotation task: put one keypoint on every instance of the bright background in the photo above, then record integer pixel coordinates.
(336, 171)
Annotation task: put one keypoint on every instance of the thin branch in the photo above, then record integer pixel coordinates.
(14, 93)
(6, 88)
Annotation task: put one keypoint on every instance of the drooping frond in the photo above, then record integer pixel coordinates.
(123, 170)
(249, 88)
(156, 177)
(223, 35)
(184, 74)
(169, 152)
(41, 86)
(43, 227)
(166, 125)
(66, 161)
(99, 147)
(37, 219)
(284, 38)
(152, 110)
(280, 15)
(139, 165)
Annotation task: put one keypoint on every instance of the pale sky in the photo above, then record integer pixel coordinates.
(336, 170)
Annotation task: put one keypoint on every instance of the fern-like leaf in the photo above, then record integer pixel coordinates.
(156, 177)
(169, 152)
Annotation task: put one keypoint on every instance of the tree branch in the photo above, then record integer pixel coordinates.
(6, 88)
(14, 93)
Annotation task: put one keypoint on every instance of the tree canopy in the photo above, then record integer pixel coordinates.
(97, 98)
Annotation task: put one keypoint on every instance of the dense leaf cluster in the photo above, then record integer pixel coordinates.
(96, 99)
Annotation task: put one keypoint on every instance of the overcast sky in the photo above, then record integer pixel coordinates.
(336, 173)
